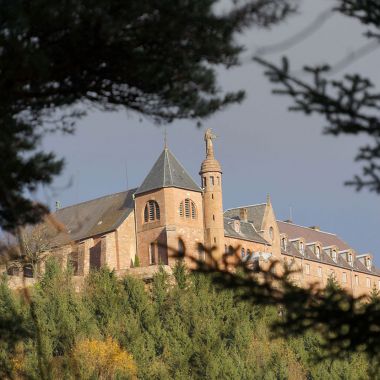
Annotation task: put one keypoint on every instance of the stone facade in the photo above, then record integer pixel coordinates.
(170, 215)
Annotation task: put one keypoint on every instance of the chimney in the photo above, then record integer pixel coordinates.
(288, 221)
(244, 214)
(315, 228)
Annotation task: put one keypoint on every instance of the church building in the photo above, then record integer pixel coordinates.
(170, 213)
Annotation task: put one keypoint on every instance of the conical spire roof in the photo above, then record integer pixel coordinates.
(167, 172)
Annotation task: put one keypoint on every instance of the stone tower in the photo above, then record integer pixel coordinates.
(211, 175)
(168, 211)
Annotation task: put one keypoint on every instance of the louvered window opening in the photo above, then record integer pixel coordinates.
(187, 209)
(151, 211)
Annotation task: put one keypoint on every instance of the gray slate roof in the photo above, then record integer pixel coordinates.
(247, 231)
(167, 172)
(255, 214)
(94, 217)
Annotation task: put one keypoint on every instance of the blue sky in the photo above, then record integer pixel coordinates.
(262, 147)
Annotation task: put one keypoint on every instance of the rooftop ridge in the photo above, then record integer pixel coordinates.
(95, 199)
(308, 228)
(234, 208)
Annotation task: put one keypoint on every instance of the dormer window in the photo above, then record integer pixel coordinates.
(334, 255)
(151, 211)
(301, 247)
(350, 259)
(318, 251)
(237, 226)
(284, 243)
(369, 263)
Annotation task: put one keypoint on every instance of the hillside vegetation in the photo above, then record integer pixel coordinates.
(121, 329)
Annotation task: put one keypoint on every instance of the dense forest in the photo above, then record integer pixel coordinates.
(174, 328)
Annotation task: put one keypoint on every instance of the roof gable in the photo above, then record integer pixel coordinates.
(167, 172)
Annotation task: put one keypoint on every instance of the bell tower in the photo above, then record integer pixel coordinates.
(211, 176)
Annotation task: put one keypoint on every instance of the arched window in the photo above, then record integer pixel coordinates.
(187, 209)
(151, 211)
(318, 251)
(350, 261)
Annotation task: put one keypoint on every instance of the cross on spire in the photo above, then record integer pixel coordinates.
(165, 139)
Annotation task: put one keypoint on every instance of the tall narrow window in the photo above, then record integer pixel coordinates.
(242, 253)
(356, 280)
(201, 253)
(187, 209)
(319, 272)
(344, 277)
(368, 282)
(204, 181)
(151, 211)
(350, 260)
(271, 233)
(333, 255)
(193, 211)
(181, 248)
(212, 180)
(307, 268)
(152, 254)
(318, 251)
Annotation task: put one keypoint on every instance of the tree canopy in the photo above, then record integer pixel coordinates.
(183, 329)
(59, 59)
